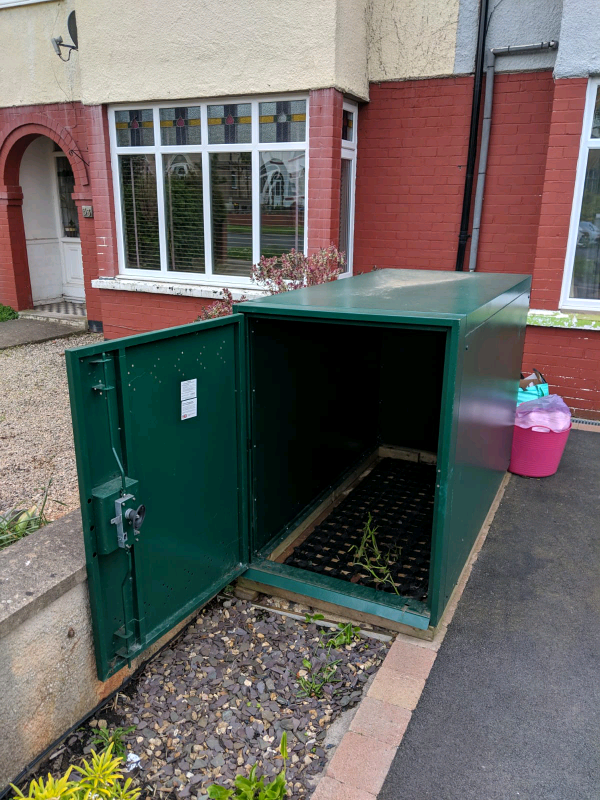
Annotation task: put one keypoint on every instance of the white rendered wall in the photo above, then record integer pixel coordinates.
(30, 70)
(411, 38)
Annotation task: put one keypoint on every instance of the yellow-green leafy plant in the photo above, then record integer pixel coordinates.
(253, 788)
(99, 779)
(50, 788)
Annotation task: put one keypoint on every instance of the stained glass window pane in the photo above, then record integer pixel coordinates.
(283, 121)
(231, 197)
(586, 269)
(230, 123)
(348, 126)
(282, 195)
(180, 125)
(596, 120)
(68, 210)
(140, 211)
(135, 128)
(184, 212)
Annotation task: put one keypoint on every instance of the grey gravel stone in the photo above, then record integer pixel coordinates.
(36, 424)
(235, 721)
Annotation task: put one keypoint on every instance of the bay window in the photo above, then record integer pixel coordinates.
(202, 190)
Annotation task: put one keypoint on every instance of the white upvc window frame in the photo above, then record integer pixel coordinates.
(349, 149)
(587, 144)
(255, 147)
(15, 3)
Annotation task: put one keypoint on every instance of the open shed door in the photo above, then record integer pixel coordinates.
(158, 422)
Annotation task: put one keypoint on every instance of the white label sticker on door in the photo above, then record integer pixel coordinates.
(189, 408)
(189, 389)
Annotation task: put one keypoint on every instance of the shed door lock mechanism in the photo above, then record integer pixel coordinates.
(132, 516)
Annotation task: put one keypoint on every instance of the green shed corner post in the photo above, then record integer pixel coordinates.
(158, 421)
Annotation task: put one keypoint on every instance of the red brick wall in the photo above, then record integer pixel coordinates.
(325, 168)
(570, 359)
(561, 165)
(515, 173)
(570, 362)
(412, 148)
(411, 170)
(125, 313)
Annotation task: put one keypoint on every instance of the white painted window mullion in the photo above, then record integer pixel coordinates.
(255, 187)
(160, 192)
(206, 198)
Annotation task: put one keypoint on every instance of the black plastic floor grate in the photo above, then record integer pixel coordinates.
(399, 495)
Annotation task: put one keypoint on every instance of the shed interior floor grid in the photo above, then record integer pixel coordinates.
(399, 495)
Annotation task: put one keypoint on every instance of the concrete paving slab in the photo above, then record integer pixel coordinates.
(15, 332)
(511, 708)
(39, 568)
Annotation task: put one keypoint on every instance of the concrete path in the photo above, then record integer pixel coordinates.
(511, 708)
(15, 332)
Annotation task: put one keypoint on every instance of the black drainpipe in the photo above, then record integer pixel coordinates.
(463, 236)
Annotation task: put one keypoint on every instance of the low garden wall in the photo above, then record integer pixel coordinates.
(47, 666)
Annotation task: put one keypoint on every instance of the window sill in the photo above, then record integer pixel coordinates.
(205, 290)
(573, 320)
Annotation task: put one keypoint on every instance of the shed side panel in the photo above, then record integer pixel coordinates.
(488, 397)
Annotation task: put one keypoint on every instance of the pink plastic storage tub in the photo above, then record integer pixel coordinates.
(537, 454)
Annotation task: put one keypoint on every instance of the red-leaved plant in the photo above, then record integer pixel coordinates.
(289, 271)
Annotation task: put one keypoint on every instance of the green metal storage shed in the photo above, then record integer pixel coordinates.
(237, 433)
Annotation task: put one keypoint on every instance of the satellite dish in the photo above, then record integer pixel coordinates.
(72, 26)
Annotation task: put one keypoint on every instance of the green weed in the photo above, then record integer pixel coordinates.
(105, 738)
(373, 559)
(311, 684)
(253, 788)
(345, 635)
(310, 618)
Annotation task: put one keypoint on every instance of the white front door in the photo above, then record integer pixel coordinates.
(72, 269)
(68, 231)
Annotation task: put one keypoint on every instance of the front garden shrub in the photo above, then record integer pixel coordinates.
(6, 313)
(284, 273)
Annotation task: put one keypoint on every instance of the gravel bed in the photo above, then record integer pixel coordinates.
(217, 700)
(36, 439)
